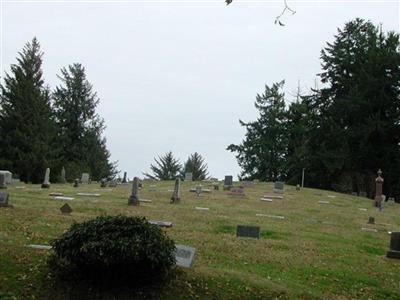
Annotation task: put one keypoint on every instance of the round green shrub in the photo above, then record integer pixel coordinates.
(114, 248)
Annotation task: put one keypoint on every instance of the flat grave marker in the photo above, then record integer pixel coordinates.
(270, 216)
(273, 197)
(40, 247)
(247, 231)
(202, 208)
(63, 198)
(161, 223)
(184, 256)
(323, 202)
(89, 194)
(266, 199)
(236, 192)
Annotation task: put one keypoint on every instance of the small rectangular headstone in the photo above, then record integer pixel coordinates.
(63, 198)
(266, 199)
(4, 199)
(161, 223)
(248, 231)
(85, 178)
(40, 247)
(202, 208)
(270, 216)
(279, 187)
(88, 194)
(228, 181)
(184, 256)
(188, 176)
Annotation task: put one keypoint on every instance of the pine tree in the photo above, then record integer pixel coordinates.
(166, 167)
(195, 164)
(80, 127)
(262, 153)
(26, 124)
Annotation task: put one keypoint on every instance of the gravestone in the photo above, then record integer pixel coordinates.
(46, 182)
(228, 182)
(103, 183)
(4, 197)
(176, 193)
(85, 178)
(62, 177)
(378, 190)
(279, 187)
(236, 192)
(3, 184)
(371, 220)
(66, 209)
(394, 251)
(298, 187)
(248, 231)
(76, 182)
(199, 190)
(188, 176)
(184, 256)
(161, 223)
(134, 199)
(247, 184)
(124, 179)
(8, 176)
(216, 186)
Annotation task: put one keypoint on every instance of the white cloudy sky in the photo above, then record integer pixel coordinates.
(178, 75)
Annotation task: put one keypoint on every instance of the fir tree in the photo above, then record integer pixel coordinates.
(166, 167)
(26, 124)
(195, 164)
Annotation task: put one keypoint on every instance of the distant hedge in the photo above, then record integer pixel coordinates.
(114, 248)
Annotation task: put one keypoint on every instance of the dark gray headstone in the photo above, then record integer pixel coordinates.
(3, 184)
(103, 182)
(134, 199)
(184, 256)
(176, 193)
(248, 231)
(66, 209)
(76, 182)
(124, 179)
(371, 220)
(394, 251)
(228, 181)
(4, 199)
(279, 187)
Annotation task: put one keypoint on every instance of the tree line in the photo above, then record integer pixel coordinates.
(167, 167)
(342, 133)
(41, 128)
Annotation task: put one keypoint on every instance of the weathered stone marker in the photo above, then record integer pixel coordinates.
(76, 182)
(228, 182)
(134, 199)
(394, 251)
(8, 176)
(248, 231)
(3, 184)
(4, 199)
(161, 223)
(176, 193)
(103, 182)
(85, 178)
(371, 220)
(279, 187)
(66, 209)
(124, 179)
(297, 187)
(46, 182)
(63, 180)
(378, 190)
(184, 256)
(188, 176)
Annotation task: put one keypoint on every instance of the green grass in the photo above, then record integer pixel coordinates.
(318, 251)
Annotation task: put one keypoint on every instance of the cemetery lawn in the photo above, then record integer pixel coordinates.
(318, 250)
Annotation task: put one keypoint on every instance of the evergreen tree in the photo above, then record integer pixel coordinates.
(80, 127)
(165, 168)
(262, 153)
(195, 164)
(26, 125)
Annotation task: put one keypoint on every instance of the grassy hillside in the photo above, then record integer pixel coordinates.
(316, 251)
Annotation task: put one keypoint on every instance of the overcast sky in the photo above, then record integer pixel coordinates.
(178, 76)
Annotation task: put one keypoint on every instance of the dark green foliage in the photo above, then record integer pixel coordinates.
(165, 168)
(262, 153)
(27, 127)
(80, 127)
(341, 134)
(195, 164)
(114, 249)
